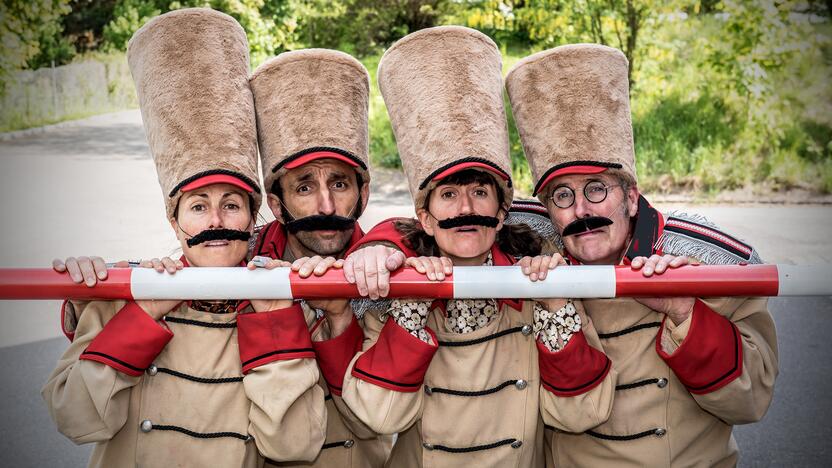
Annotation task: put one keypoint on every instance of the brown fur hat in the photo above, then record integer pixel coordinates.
(311, 104)
(443, 91)
(572, 109)
(191, 70)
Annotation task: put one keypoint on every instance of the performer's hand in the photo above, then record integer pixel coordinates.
(166, 264)
(306, 266)
(536, 268)
(267, 305)
(157, 309)
(678, 309)
(86, 270)
(435, 268)
(369, 269)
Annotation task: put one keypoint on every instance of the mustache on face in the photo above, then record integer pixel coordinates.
(209, 235)
(320, 223)
(469, 220)
(585, 224)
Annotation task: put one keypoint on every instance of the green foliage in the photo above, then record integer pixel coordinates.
(30, 35)
(128, 17)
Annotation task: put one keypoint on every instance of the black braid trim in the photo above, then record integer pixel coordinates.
(463, 393)
(451, 164)
(193, 378)
(340, 443)
(254, 185)
(382, 379)
(552, 169)
(640, 383)
(280, 351)
(636, 328)
(481, 340)
(315, 149)
(639, 435)
(201, 324)
(201, 435)
(586, 384)
(475, 448)
(129, 366)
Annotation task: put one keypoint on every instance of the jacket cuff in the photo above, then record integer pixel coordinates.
(129, 342)
(334, 355)
(710, 357)
(398, 361)
(576, 369)
(265, 337)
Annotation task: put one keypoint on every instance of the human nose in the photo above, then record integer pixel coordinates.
(582, 206)
(326, 203)
(466, 204)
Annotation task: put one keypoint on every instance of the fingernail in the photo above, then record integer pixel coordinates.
(101, 275)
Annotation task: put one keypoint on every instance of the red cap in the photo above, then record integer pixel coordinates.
(319, 155)
(216, 179)
(570, 170)
(468, 165)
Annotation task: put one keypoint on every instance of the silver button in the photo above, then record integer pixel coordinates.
(427, 446)
(521, 384)
(660, 432)
(516, 444)
(146, 426)
(662, 383)
(152, 370)
(428, 390)
(349, 443)
(249, 438)
(526, 330)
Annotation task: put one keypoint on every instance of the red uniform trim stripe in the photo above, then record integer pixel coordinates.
(397, 361)
(265, 337)
(335, 354)
(576, 369)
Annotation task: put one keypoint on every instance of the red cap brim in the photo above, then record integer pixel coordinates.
(217, 179)
(319, 155)
(572, 170)
(469, 165)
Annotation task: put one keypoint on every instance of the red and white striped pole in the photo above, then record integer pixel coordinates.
(466, 282)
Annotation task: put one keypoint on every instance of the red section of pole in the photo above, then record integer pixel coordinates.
(45, 283)
(696, 281)
(403, 283)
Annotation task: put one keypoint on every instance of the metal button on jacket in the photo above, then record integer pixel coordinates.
(517, 444)
(662, 383)
(349, 443)
(526, 330)
(427, 446)
(428, 390)
(152, 370)
(660, 432)
(146, 426)
(521, 384)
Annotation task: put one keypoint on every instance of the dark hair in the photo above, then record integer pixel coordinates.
(468, 177)
(517, 240)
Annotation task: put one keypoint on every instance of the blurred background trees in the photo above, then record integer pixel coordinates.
(725, 93)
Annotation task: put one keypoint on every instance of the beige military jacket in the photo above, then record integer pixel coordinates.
(349, 443)
(679, 389)
(199, 389)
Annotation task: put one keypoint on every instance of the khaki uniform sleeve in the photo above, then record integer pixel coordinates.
(89, 399)
(728, 358)
(577, 382)
(287, 416)
(383, 383)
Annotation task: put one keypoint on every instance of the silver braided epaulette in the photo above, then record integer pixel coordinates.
(694, 236)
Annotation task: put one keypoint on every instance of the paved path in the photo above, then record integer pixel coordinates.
(90, 188)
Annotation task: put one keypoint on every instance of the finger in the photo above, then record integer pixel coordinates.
(371, 274)
(348, 273)
(662, 264)
(637, 263)
(679, 261)
(416, 263)
(58, 265)
(100, 267)
(339, 264)
(447, 265)
(360, 280)
(251, 266)
(179, 265)
(146, 264)
(120, 264)
(650, 265)
(395, 261)
(170, 267)
(383, 276)
(309, 266)
(74, 270)
(436, 265)
(323, 266)
(298, 264)
(156, 264)
(87, 271)
(525, 263)
(535, 268)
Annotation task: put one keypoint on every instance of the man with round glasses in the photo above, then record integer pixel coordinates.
(685, 370)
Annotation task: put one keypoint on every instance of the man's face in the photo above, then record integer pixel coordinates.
(320, 187)
(605, 245)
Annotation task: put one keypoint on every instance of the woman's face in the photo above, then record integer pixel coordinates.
(464, 244)
(215, 206)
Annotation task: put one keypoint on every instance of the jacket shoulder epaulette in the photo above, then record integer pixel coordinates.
(694, 236)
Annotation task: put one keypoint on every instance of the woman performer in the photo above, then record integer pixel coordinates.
(459, 380)
(194, 383)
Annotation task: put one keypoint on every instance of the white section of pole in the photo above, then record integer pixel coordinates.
(211, 284)
(510, 282)
(795, 280)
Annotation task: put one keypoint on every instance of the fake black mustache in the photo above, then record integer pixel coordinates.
(320, 223)
(218, 234)
(469, 220)
(585, 224)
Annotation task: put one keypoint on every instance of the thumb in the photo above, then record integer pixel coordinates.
(394, 261)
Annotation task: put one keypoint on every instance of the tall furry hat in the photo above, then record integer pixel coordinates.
(191, 70)
(311, 104)
(572, 109)
(443, 91)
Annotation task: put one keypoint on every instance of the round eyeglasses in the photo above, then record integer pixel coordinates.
(595, 192)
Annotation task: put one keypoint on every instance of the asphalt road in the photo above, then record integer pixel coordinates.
(90, 188)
